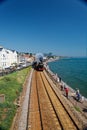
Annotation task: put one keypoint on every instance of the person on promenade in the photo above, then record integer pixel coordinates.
(78, 96)
(66, 91)
(55, 77)
(59, 79)
(77, 91)
(61, 86)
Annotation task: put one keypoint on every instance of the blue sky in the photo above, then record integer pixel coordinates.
(57, 26)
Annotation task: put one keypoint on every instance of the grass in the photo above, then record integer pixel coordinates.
(77, 109)
(11, 86)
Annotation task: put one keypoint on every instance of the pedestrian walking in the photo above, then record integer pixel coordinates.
(66, 91)
(61, 87)
(78, 96)
(59, 79)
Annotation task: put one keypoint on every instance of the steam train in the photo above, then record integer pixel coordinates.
(38, 63)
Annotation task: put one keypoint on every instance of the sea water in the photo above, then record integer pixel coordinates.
(73, 71)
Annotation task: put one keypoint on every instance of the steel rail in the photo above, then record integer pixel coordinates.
(49, 119)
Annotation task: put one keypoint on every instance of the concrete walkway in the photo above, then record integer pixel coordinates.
(23, 118)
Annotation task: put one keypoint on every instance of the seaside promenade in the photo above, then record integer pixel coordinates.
(79, 106)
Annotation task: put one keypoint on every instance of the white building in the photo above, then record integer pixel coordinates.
(7, 58)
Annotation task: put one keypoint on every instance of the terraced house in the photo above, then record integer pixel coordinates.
(7, 58)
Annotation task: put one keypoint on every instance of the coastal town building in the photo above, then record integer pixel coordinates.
(7, 58)
(24, 58)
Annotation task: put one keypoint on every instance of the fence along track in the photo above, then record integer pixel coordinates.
(45, 111)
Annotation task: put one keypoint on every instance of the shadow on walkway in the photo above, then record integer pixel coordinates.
(85, 110)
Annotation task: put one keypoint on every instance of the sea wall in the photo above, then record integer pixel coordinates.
(56, 78)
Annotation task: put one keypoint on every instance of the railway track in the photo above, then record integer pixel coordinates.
(46, 111)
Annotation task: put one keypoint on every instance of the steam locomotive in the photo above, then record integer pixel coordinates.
(38, 63)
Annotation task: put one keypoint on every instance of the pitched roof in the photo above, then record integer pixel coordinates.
(1, 49)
